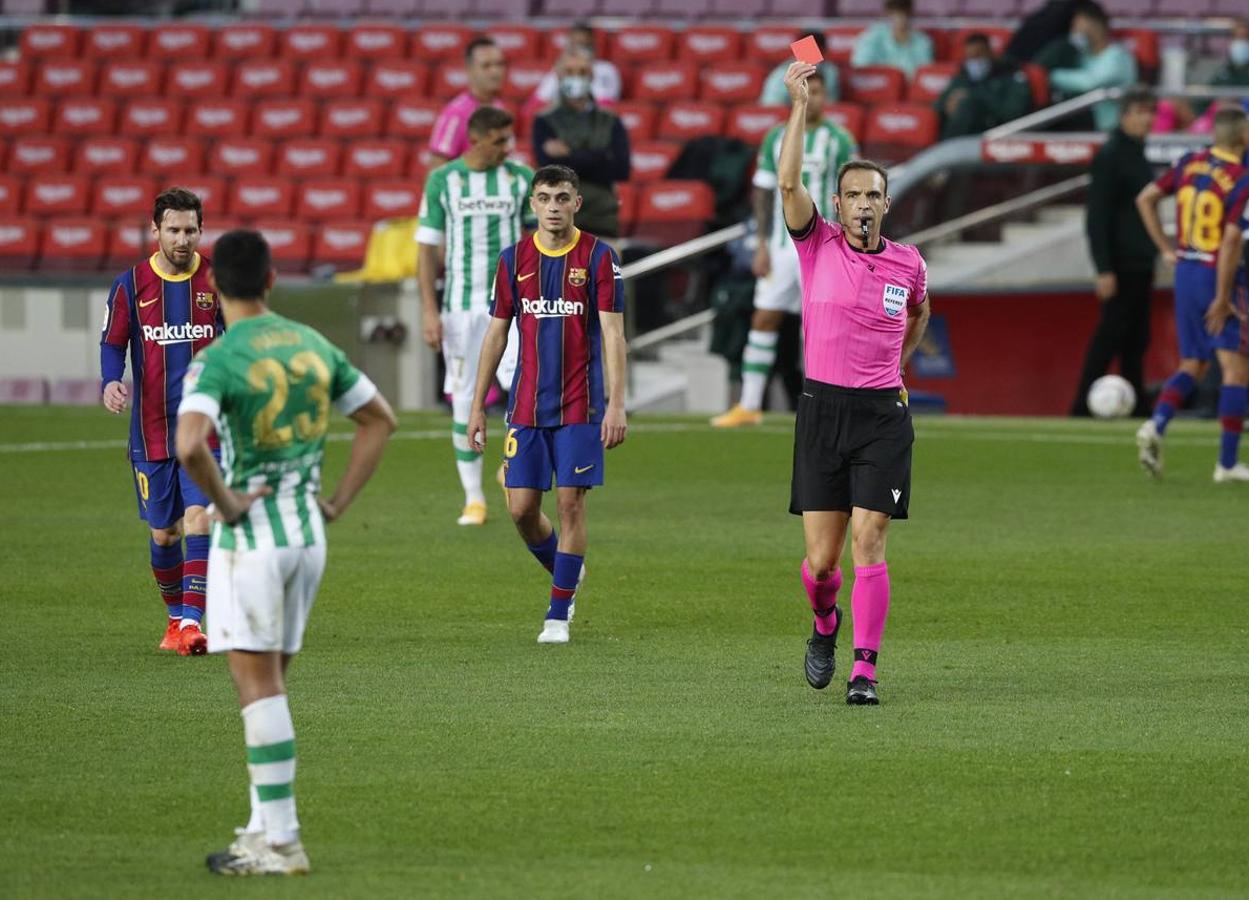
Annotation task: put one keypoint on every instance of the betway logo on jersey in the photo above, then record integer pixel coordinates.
(176, 334)
(543, 308)
(485, 206)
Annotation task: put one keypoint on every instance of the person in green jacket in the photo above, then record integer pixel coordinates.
(1088, 59)
(893, 42)
(985, 92)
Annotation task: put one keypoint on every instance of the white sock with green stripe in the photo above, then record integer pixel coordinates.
(757, 364)
(270, 736)
(468, 463)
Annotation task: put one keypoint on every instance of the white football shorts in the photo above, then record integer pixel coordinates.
(260, 599)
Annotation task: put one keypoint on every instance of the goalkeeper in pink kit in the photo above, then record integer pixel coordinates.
(864, 311)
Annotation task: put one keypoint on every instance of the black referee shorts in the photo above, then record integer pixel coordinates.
(852, 447)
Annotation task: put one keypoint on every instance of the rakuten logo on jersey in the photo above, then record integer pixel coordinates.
(176, 334)
(543, 308)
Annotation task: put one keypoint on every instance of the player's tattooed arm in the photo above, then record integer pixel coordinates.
(492, 347)
(615, 359)
(196, 458)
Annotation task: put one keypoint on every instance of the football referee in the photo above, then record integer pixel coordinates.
(864, 311)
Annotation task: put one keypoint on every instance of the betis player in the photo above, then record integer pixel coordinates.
(564, 289)
(164, 310)
(473, 207)
(775, 265)
(1211, 188)
(267, 387)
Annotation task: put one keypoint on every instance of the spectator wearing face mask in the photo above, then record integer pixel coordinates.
(985, 92)
(604, 77)
(893, 42)
(1087, 59)
(590, 140)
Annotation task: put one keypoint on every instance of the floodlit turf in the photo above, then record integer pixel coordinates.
(1065, 703)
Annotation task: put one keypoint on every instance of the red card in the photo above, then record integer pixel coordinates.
(807, 51)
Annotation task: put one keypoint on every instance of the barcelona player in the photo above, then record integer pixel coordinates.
(1211, 188)
(164, 310)
(565, 290)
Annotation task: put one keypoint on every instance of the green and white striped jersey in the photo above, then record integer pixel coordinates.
(268, 390)
(827, 146)
(476, 214)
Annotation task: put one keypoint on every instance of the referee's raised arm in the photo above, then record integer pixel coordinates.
(796, 202)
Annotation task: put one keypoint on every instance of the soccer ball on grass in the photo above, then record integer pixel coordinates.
(1111, 397)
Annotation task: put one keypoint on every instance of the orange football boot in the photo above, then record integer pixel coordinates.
(192, 642)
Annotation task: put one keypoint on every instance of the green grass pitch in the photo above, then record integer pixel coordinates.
(1064, 683)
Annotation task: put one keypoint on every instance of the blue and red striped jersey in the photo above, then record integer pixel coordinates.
(556, 297)
(1211, 188)
(164, 320)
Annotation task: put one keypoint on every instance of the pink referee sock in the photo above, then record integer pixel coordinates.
(869, 601)
(823, 597)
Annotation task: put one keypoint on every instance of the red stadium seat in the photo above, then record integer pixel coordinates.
(897, 132)
(195, 80)
(352, 119)
(375, 159)
(131, 79)
(119, 196)
(840, 42)
(519, 43)
(522, 80)
(1143, 43)
(412, 118)
(311, 43)
(58, 195)
(392, 199)
(173, 156)
(998, 39)
(41, 41)
(665, 81)
(396, 78)
(19, 117)
(114, 42)
(284, 119)
(750, 123)
(441, 42)
(641, 45)
(290, 244)
(709, 45)
(64, 77)
(418, 168)
(685, 121)
(263, 78)
(128, 241)
(240, 157)
(558, 39)
(249, 40)
(19, 243)
(639, 119)
(178, 42)
(323, 201)
(674, 211)
(106, 156)
(78, 244)
(377, 42)
(848, 115)
(251, 197)
(210, 118)
(770, 45)
(731, 82)
(450, 79)
(930, 81)
(84, 117)
(1039, 82)
(10, 196)
(874, 84)
(213, 229)
(627, 195)
(14, 79)
(331, 80)
(341, 243)
(942, 48)
(39, 156)
(210, 189)
(651, 160)
(308, 159)
(152, 118)
(4, 154)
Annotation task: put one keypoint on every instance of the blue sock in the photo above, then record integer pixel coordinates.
(545, 552)
(195, 577)
(167, 568)
(564, 584)
(1233, 403)
(1176, 390)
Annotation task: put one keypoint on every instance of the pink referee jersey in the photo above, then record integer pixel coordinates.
(450, 135)
(854, 305)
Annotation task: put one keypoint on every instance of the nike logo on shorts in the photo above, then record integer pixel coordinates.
(581, 470)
